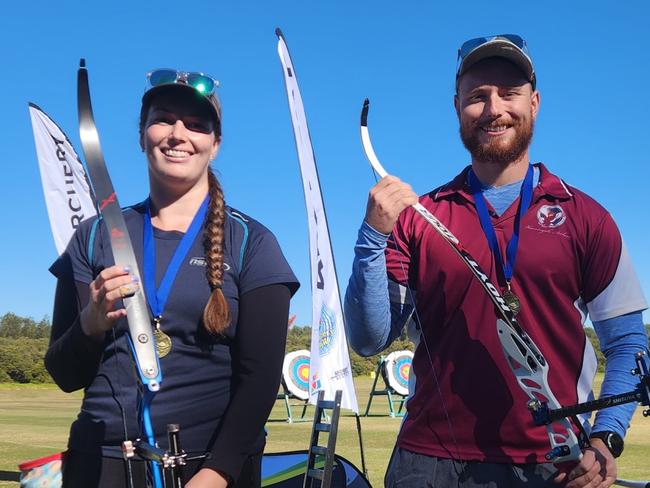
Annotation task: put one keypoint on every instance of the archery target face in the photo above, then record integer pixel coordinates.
(295, 373)
(397, 366)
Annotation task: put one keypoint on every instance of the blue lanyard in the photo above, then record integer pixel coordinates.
(157, 297)
(525, 197)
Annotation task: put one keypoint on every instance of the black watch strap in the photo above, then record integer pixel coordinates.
(612, 440)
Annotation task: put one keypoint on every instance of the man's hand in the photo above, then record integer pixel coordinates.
(597, 468)
(386, 201)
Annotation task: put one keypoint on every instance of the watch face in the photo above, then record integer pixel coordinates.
(612, 440)
(615, 444)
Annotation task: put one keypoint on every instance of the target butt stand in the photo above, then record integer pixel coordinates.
(295, 383)
(285, 395)
(394, 369)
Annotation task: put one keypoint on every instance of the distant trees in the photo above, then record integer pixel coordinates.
(300, 338)
(23, 343)
(14, 326)
(591, 335)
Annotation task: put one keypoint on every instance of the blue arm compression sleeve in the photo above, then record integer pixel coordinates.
(620, 338)
(372, 321)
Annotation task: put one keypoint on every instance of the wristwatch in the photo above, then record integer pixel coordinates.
(612, 440)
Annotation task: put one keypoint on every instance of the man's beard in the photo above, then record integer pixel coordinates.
(496, 151)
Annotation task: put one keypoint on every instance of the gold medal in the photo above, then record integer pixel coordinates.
(512, 301)
(163, 341)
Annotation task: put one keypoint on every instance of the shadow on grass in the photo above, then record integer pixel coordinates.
(9, 476)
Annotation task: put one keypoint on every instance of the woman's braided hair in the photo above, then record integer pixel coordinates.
(216, 315)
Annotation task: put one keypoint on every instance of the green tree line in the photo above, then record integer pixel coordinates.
(300, 338)
(23, 343)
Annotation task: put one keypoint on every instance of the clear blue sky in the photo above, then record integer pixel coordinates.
(591, 59)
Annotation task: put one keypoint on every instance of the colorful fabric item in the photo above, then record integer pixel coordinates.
(44, 472)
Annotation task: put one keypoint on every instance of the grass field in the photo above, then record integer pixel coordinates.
(35, 422)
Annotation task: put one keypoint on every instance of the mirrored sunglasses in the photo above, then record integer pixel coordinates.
(469, 46)
(204, 84)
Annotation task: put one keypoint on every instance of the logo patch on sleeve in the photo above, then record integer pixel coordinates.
(551, 216)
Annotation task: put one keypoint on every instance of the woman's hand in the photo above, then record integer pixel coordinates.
(596, 469)
(207, 478)
(111, 285)
(386, 201)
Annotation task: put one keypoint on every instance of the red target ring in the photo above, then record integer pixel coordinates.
(396, 370)
(295, 373)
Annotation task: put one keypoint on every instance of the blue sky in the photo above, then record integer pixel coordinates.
(591, 60)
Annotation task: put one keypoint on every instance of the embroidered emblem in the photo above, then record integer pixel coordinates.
(551, 216)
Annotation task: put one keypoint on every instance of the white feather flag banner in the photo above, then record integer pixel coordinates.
(67, 193)
(329, 369)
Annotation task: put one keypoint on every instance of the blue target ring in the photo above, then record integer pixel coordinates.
(397, 367)
(295, 373)
(401, 369)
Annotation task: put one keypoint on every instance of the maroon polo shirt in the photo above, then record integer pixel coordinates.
(570, 260)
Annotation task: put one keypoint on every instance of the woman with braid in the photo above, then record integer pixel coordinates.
(218, 288)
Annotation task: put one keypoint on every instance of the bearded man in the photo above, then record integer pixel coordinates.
(557, 256)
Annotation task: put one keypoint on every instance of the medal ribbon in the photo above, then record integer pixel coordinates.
(525, 198)
(157, 297)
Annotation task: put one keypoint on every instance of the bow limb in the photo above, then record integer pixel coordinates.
(367, 144)
(141, 334)
(379, 169)
(141, 339)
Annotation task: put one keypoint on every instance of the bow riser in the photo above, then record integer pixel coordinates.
(532, 377)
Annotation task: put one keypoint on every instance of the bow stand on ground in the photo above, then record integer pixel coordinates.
(523, 356)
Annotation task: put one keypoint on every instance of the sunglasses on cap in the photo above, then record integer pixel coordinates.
(469, 46)
(204, 84)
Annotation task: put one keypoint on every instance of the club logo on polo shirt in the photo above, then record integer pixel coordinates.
(201, 261)
(551, 216)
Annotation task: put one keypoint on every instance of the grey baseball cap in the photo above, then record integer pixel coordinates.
(508, 46)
